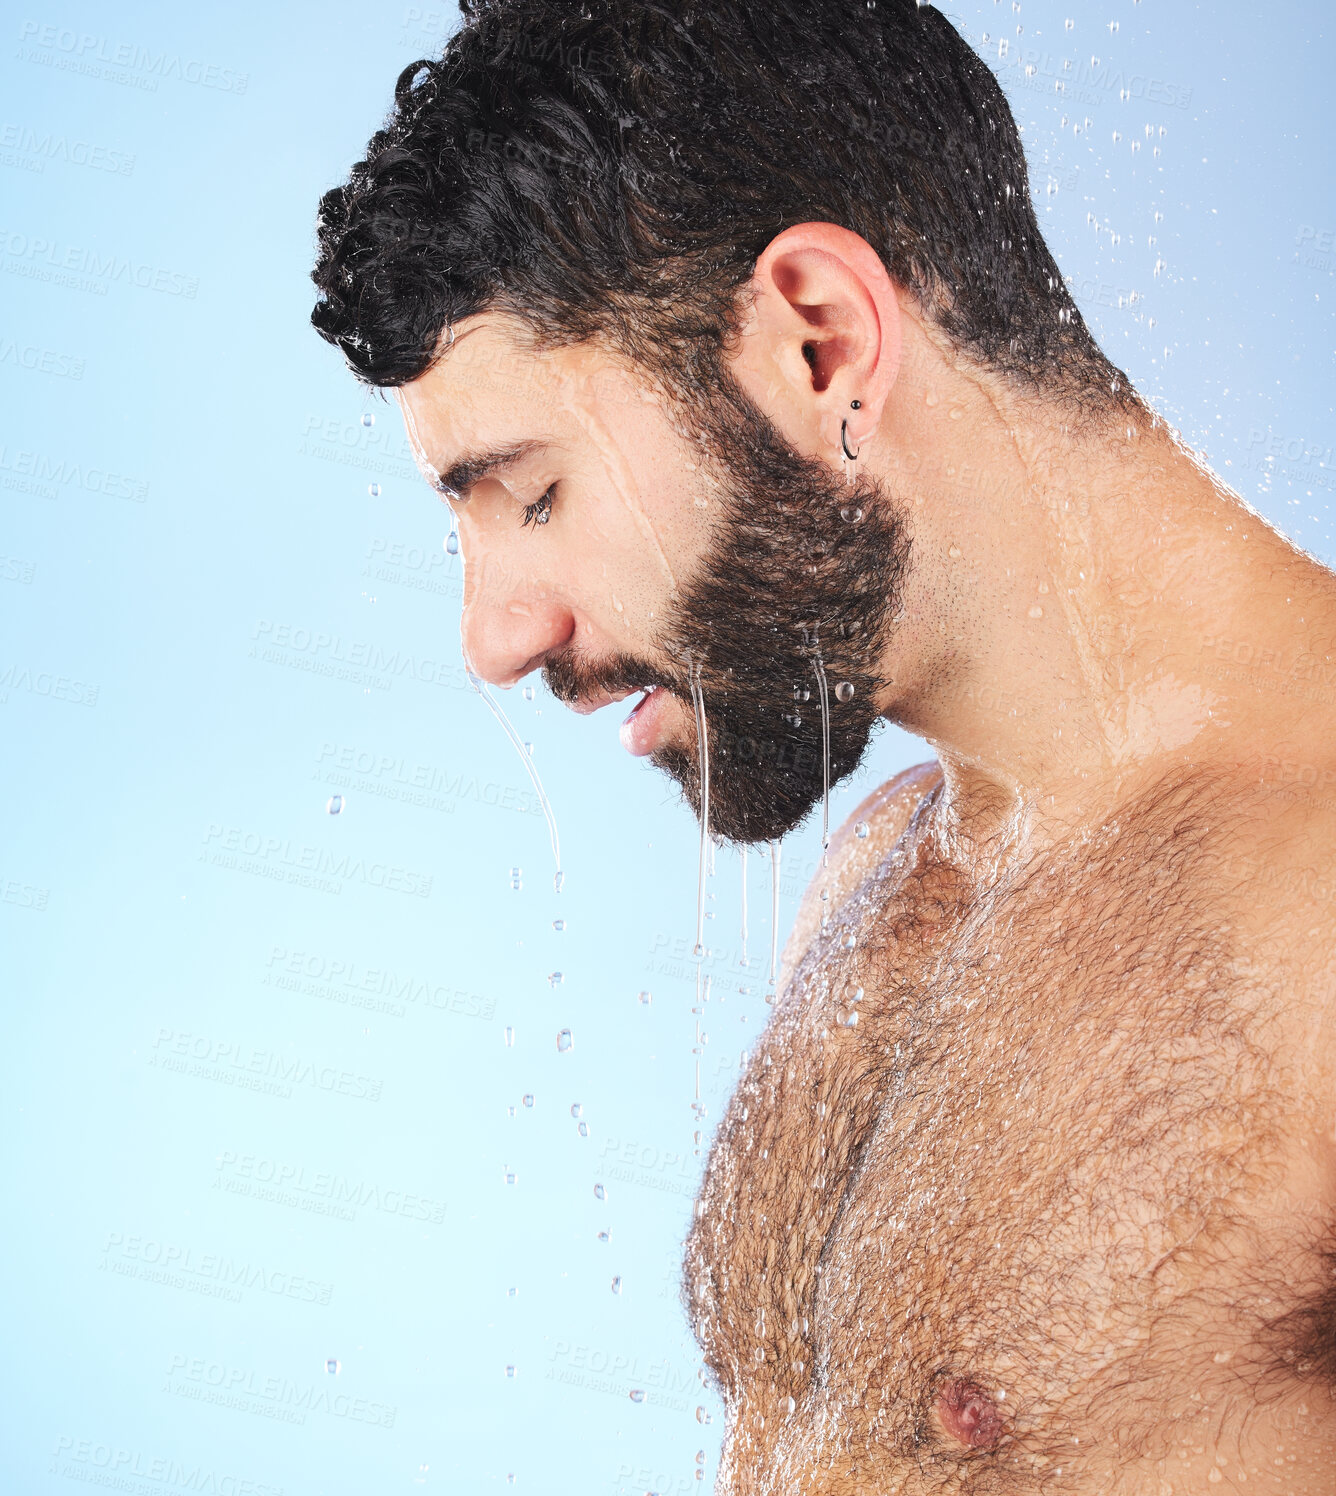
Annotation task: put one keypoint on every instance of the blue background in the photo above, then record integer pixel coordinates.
(255, 1126)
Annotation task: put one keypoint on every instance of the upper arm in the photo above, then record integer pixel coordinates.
(886, 812)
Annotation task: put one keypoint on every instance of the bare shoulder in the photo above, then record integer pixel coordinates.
(885, 814)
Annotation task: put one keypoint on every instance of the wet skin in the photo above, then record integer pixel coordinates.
(1046, 1208)
(1050, 1206)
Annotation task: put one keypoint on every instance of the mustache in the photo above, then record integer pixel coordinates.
(569, 678)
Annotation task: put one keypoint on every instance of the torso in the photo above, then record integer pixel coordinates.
(1055, 1210)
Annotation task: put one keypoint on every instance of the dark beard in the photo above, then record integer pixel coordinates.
(788, 582)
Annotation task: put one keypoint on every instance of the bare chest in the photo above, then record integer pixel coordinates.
(1005, 1181)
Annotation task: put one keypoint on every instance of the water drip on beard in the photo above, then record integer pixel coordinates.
(703, 762)
(559, 877)
(774, 920)
(824, 692)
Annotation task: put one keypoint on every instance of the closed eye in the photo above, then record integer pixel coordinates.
(539, 512)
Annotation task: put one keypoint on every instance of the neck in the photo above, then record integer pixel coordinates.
(1088, 608)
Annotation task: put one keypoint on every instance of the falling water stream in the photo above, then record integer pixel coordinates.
(774, 919)
(705, 867)
(742, 956)
(703, 758)
(476, 682)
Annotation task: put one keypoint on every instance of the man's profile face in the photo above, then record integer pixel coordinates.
(638, 541)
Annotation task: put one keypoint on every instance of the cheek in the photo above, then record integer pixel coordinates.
(619, 570)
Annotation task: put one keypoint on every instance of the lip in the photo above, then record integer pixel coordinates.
(641, 731)
(587, 705)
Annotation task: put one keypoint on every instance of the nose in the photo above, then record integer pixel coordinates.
(510, 625)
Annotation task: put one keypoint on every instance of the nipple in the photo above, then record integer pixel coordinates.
(969, 1414)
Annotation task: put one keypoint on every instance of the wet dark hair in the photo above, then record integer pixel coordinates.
(613, 169)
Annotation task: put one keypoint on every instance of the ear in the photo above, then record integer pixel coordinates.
(823, 331)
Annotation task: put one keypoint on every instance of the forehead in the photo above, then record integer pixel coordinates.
(495, 387)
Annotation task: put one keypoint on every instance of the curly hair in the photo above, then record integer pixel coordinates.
(613, 169)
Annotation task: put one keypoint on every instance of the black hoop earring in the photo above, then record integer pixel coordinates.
(844, 443)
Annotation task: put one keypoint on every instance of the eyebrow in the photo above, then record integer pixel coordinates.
(470, 469)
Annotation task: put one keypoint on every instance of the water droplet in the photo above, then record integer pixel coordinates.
(333, 1366)
(558, 925)
(368, 419)
(555, 979)
(637, 1395)
(1070, 25)
(801, 693)
(558, 881)
(851, 514)
(583, 1129)
(527, 693)
(512, 1293)
(844, 691)
(510, 1111)
(850, 941)
(789, 1404)
(565, 1040)
(374, 490)
(862, 830)
(452, 544)
(600, 1193)
(1036, 611)
(334, 804)
(510, 1037)
(617, 1285)
(510, 1371)
(528, 1099)
(577, 1111)
(644, 997)
(605, 1237)
(511, 1176)
(702, 1416)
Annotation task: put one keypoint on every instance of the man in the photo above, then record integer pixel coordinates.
(730, 336)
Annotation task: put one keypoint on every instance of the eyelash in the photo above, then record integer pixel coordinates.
(539, 512)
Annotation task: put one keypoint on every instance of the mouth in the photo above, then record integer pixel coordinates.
(650, 719)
